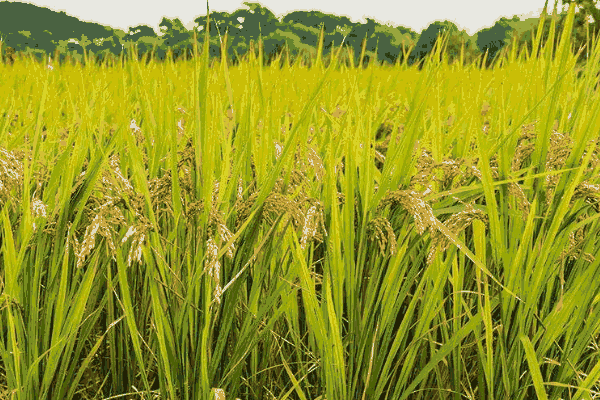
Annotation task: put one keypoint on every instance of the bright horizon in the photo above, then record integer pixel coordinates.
(469, 15)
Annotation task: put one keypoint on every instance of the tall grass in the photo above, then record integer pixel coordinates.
(182, 231)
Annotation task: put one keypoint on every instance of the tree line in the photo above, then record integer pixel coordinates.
(31, 30)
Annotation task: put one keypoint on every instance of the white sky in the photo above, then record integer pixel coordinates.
(471, 15)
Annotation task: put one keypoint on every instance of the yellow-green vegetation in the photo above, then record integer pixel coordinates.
(187, 231)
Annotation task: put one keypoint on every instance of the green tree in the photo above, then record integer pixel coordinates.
(176, 37)
(388, 44)
(140, 31)
(315, 19)
(297, 44)
(242, 26)
(494, 39)
(362, 32)
(429, 38)
(587, 8)
(526, 30)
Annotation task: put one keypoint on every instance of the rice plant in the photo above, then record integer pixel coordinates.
(188, 231)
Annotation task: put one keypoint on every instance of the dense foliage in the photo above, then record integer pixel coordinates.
(31, 30)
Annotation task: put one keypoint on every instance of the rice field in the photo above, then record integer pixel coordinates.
(190, 231)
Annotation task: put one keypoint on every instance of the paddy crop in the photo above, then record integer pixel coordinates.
(186, 231)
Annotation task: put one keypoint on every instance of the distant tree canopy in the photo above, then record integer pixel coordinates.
(316, 18)
(492, 40)
(429, 38)
(587, 8)
(29, 29)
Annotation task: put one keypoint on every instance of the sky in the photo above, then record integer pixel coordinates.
(470, 15)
